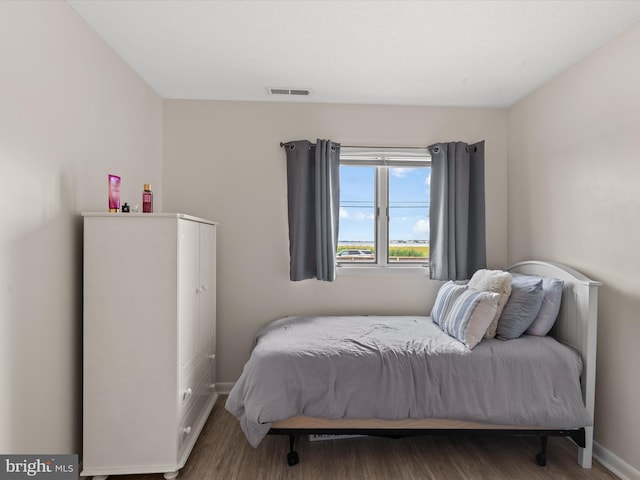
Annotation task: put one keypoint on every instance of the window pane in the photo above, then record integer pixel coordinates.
(409, 190)
(356, 235)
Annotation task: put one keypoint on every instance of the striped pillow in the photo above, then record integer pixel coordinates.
(447, 295)
(470, 315)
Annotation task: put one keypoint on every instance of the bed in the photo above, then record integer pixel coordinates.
(399, 376)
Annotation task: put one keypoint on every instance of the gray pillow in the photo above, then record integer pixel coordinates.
(548, 313)
(522, 307)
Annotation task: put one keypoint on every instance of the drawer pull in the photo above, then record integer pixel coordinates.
(187, 430)
(186, 394)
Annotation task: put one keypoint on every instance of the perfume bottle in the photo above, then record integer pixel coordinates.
(147, 199)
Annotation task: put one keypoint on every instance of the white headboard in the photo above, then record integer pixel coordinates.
(577, 326)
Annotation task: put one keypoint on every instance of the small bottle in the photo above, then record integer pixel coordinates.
(147, 199)
(126, 208)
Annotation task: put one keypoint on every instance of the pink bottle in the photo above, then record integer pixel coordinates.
(147, 199)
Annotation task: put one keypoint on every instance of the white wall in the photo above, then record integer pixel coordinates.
(71, 112)
(222, 161)
(574, 197)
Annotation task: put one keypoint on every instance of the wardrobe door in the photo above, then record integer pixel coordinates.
(188, 293)
(207, 293)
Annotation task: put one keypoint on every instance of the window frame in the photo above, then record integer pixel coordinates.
(383, 159)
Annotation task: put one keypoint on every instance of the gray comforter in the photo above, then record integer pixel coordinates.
(403, 367)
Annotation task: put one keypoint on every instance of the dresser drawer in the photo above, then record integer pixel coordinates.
(192, 419)
(197, 384)
(207, 351)
(188, 391)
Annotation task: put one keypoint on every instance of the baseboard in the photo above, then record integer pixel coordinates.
(223, 388)
(614, 463)
(80, 468)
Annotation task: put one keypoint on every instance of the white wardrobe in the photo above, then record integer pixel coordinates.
(149, 340)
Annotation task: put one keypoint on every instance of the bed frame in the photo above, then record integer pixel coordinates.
(576, 326)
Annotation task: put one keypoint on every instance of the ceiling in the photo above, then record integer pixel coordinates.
(441, 53)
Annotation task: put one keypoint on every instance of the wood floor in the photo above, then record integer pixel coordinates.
(222, 452)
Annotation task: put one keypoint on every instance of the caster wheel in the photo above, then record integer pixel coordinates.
(541, 459)
(292, 458)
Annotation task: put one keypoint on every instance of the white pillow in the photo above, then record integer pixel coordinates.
(495, 281)
(469, 316)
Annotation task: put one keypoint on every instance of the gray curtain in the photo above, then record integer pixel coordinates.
(313, 190)
(457, 242)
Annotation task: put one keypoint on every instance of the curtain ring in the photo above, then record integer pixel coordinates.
(290, 146)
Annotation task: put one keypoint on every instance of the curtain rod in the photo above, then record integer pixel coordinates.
(290, 145)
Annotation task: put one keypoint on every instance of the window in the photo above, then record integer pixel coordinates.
(384, 207)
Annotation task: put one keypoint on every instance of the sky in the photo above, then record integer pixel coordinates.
(408, 203)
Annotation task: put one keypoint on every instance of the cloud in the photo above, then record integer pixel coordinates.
(360, 215)
(421, 228)
(400, 172)
(357, 216)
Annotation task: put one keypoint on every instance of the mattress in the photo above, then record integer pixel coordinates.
(403, 367)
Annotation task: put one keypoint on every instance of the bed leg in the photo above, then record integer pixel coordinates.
(541, 456)
(585, 453)
(292, 456)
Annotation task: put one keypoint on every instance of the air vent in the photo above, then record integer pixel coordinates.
(289, 91)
